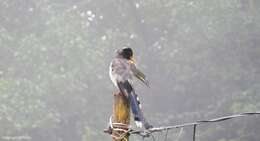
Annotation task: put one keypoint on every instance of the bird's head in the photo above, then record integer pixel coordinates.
(127, 53)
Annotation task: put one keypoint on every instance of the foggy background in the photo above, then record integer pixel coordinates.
(200, 56)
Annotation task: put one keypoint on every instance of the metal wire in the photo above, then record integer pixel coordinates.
(122, 130)
(149, 132)
(166, 135)
(194, 132)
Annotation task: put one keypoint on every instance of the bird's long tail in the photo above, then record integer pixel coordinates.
(127, 89)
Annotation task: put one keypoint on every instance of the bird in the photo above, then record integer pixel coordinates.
(122, 70)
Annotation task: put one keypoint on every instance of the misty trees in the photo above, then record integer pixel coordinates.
(55, 54)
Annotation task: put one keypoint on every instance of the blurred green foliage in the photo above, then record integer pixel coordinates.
(201, 56)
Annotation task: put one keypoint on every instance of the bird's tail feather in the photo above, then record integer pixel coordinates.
(127, 89)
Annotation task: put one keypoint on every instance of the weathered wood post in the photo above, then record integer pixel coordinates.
(121, 117)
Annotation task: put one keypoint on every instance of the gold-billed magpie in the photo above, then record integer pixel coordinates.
(122, 70)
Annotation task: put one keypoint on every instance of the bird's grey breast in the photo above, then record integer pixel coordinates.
(120, 70)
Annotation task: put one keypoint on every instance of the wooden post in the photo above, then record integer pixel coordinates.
(121, 114)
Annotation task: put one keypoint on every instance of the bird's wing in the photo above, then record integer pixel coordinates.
(127, 89)
(139, 74)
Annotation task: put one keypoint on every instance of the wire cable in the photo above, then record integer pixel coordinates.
(121, 131)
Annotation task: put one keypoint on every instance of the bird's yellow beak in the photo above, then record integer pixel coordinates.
(132, 60)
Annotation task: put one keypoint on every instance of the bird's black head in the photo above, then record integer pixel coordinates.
(127, 53)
